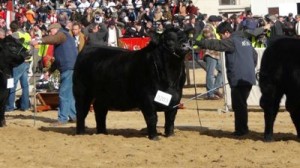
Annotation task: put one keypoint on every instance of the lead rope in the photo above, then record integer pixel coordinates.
(194, 76)
(20, 50)
(199, 95)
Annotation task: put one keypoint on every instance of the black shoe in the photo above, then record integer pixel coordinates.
(24, 110)
(214, 97)
(219, 94)
(58, 124)
(72, 120)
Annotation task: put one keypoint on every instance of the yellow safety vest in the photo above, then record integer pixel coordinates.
(27, 39)
(256, 44)
(199, 38)
(43, 50)
(26, 43)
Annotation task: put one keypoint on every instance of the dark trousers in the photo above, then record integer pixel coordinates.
(239, 96)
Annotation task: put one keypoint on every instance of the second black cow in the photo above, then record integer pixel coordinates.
(279, 75)
(12, 54)
(120, 79)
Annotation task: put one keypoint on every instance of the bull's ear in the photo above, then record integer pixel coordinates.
(21, 40)
(155, 37)
(189, 31)
(8, 37)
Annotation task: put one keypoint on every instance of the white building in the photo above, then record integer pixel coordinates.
(216, 7)
(281, 7)
(258, 7)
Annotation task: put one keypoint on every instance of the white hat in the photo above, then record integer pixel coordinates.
(129, 7)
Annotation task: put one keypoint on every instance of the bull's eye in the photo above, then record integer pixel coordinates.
(13, 48)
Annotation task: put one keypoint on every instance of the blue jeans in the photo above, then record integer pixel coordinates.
(66, 109)
(201, 63)
(20, 73)
(213, 81)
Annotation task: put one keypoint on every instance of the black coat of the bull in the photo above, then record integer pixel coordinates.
(279, 75)
(12, 54)
(120, 79)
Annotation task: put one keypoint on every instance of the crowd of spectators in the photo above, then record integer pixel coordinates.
(104, 21)
(131, 19)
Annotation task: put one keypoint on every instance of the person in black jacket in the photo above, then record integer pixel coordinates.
(240, 60)
(98, 35)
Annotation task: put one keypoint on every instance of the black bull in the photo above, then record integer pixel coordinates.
(120, 79)
(12, 54)
(279, 75)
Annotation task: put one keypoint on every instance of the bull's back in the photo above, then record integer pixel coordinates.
(112, 75)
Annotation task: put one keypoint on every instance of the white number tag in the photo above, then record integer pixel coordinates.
(163, 98)
(10, 83)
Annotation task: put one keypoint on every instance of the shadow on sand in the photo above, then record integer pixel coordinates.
(30, 117)
(252, 135)
(135, 133)
(127, 133)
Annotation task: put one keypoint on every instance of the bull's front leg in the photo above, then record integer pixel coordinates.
(150, 117)
(170, 116)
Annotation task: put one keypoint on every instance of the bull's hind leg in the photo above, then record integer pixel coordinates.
(169, 122)
(2, 117)
(270, 101)
(100, 115)
(293, 107)
(83, 100)
(295, 115)
(82, 108)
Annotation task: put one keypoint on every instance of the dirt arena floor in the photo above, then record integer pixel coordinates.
(29, 141)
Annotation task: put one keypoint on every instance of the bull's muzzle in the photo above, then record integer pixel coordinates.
(26, 55)
(186, 46)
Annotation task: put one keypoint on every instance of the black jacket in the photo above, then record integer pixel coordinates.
(240, 58)
(99, 38)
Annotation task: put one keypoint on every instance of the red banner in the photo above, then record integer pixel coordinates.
(134, 43)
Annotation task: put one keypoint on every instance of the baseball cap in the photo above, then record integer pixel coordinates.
(54, 26)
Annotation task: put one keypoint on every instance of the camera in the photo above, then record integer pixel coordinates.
(98, 19)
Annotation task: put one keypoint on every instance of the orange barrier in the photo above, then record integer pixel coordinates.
(134, 43)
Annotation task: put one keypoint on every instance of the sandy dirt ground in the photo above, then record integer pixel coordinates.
(203, 139)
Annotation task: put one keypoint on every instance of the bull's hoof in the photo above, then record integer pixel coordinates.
(3, 123)
(154, 138)
(268, 138)
(170, 134)
(80, 132)
(169, 131)
(102, 132)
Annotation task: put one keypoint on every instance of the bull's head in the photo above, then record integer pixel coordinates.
(12, 51)
(176, 41)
